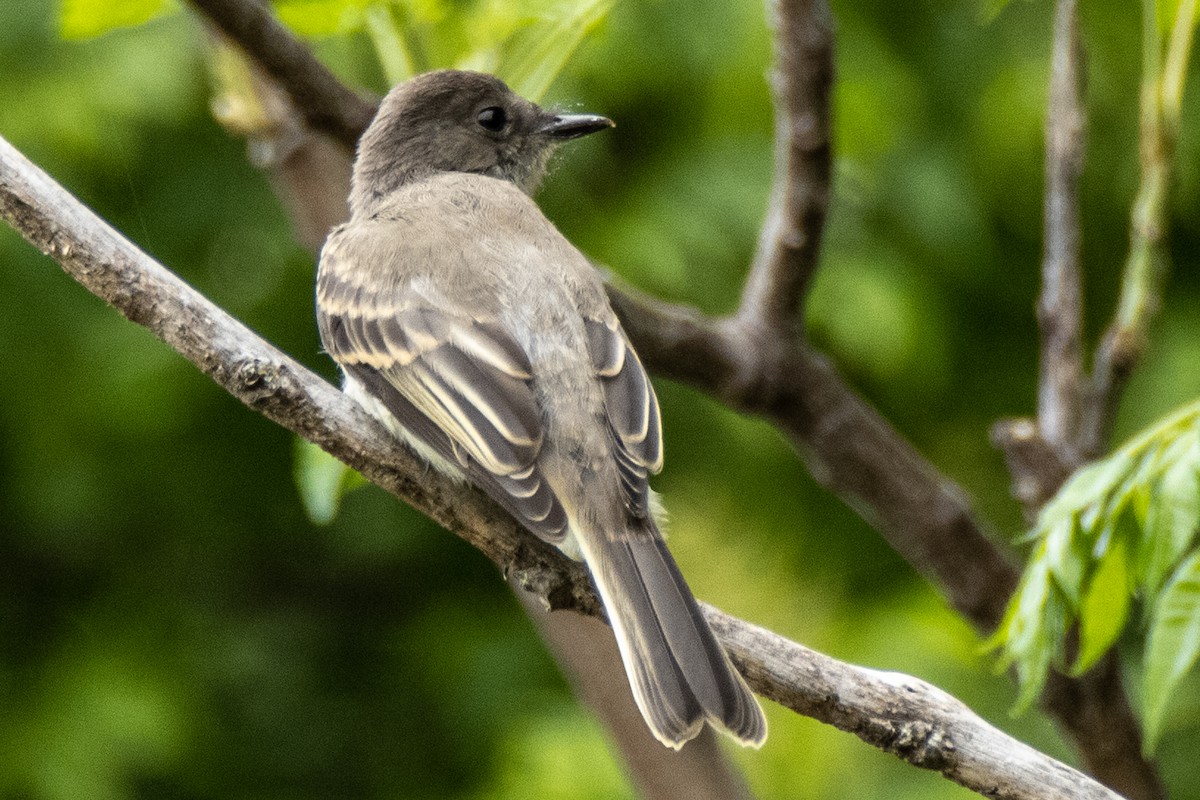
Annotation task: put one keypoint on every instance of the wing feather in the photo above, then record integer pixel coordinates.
(460, 385)
(632, 407)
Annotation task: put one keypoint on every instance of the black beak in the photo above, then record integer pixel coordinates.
(572, 126)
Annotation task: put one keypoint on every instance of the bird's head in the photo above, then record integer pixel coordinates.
(453, 121)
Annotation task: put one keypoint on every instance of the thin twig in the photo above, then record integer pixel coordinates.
(1042, 453)
(1060, 306)
(1145, 268)
(324, 101)
(899, 714)
(790, 243)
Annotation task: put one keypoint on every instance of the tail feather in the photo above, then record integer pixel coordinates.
(680, 675)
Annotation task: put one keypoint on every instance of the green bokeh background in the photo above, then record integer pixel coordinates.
(171, 625)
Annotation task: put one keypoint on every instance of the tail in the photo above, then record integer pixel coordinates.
(680, 675)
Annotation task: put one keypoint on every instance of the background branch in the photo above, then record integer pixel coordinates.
(790, 243)
(901, 715)
(1060, 307)
(1145, 268)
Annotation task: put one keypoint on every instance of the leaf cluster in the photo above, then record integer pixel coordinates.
(1121, 530)
(526, 42)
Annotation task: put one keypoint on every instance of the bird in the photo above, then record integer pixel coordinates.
(480, 336)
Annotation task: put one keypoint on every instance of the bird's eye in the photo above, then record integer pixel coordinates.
(493, 119)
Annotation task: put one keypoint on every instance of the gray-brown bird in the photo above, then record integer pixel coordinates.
(478, 334)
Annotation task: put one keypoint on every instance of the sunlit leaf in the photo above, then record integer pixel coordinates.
(84, 19)
(317, 18)
(1174, 511)
(382, 27)
(535, 54)
(1066, 558)
(1105, 605)
(1031, 631)
(1088, 488)
(322, 481)
(1167, 13)
(1174, 643)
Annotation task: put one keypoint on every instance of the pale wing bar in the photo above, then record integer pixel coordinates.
(462, 387)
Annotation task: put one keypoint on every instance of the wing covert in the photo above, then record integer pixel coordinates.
(459, 384)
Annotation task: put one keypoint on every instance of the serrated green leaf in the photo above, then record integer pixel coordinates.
(1042, 647)
(322, 481)
(1105, 605)
(1031, 630)
(86, 19)
(1174, 643)
(1090, 487)
(1072, 570)
(532, 58)
(1174, 512)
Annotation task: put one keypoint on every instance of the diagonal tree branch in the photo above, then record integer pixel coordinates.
(902, 715)
(845, 442)
(324, 101)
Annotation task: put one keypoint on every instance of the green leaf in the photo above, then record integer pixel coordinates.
(1174, 511)
(1067, 558)
(1167, 13)
(388, 39)
(1174, 643)
(1113, 525)
(1031, 630)
(317, 18)
(535, 54)
(86, 19)
(1088, 488)
(1105, 605)
(322, 481)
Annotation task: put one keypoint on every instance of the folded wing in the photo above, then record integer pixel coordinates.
(459, 384)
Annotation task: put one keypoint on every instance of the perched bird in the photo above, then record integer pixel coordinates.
(478, 334)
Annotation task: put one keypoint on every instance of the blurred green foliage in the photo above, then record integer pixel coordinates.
(172, 625)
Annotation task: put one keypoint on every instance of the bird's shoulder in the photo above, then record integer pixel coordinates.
(453, 201)
(465, 232)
